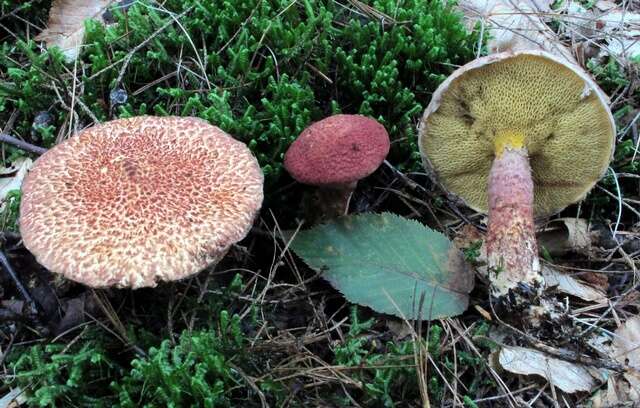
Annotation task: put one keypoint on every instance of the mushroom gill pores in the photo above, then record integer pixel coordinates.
(517, 135)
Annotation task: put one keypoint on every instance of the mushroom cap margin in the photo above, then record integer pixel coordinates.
(134, 201)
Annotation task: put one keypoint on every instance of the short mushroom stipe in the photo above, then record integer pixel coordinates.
(333, 154)
(517, 135)
(135, 201)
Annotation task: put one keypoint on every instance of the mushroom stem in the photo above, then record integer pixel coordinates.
(512, 252)
(333, 201)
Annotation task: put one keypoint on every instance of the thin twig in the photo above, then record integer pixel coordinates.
(5, 138)
(415, 186)
(604, 190)
(138, 47)
(21, 288)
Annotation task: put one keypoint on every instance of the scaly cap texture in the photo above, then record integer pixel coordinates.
(340, 149)
(133, 201)
(567, 127)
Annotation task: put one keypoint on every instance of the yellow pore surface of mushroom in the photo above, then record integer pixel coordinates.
(135, 201)
(526, 100)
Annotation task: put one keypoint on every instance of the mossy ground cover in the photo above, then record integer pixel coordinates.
(261, 329)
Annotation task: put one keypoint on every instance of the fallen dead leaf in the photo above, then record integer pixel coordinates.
(15, 306)
(627, 48)
(619, 20)
(633, 391)
(568, 377)
(73, 314)
(625, 348)
(564, 235)
(65, 28)
(467, 236)
(618, 28)
(596, 279)
(13, 399)
(578, 21)
(619, 391)
(568, 284)
(11, 177)
(626, 343)
(604, 5)
(514, 25)
(400, 329)
(607, 398)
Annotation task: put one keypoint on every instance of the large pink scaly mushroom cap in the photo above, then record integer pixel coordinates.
(338, 150)
(134, 201)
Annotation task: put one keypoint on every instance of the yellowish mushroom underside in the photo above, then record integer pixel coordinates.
(528, 100)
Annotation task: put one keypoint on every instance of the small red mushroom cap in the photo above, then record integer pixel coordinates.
(340, 149)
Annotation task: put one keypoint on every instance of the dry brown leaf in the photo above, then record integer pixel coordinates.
(633, 390)
(400, 328)
(515, 25)
(625, 348)
(619, 20)
(11, 177)
(626, 343)
(605, 5)
(578, 21)
(467, 236)
(571, 286)
(66, 24)
(607, 398)
(620, 390)
(564, 235)
(598, 280)
(13, 399)
(619, 27)
(568, 377)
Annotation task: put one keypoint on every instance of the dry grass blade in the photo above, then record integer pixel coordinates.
(372, 12)
(105, 304)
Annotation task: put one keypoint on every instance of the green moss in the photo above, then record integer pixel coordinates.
(60, 375)
(200, 370)
(261, 70)
(10, 210)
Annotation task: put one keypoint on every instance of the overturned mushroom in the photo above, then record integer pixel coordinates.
(134, 201)
(517, 135)
(333, 154)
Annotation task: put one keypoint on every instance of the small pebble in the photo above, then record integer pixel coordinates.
(42, 119)
(118, 97)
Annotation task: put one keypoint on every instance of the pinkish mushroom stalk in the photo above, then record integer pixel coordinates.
(512, 252)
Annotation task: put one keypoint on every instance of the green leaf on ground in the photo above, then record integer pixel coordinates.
(389, 264)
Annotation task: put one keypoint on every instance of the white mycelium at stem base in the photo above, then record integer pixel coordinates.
(512, 252)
